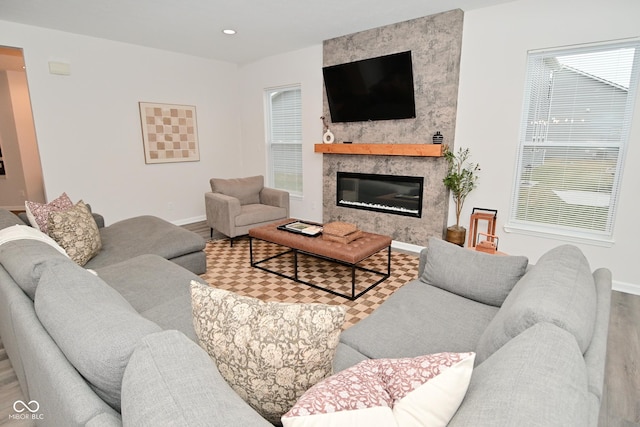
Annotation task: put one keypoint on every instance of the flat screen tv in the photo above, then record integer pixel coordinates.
(371, 89)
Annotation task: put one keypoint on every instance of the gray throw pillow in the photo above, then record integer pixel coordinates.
(538, 378)
(247, 190)
(558, 289)
(474, 275)
(94, 326)
(170, 380)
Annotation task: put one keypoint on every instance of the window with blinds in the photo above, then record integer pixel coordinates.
(284, 138)
(578, 108)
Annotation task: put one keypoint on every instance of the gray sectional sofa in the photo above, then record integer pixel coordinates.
(118, 348)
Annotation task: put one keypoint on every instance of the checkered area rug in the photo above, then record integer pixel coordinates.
(229, 268)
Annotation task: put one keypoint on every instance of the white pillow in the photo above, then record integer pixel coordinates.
(22, 232)
(410, 392)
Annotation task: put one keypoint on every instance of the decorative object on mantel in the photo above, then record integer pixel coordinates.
(327, 137)
(437, 138)
(460, 180)
(169, 133)
(341, 232)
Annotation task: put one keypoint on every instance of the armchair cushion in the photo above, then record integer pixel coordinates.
(247, 190)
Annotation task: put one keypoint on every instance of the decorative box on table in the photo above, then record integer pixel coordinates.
(341, 232)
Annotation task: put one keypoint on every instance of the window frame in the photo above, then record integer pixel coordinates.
(269, 144)
(545, 229)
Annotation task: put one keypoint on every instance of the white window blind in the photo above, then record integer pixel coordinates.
(284, 138)
(578, 109)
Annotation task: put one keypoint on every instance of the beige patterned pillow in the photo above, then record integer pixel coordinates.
(76, 231)
(270, 353)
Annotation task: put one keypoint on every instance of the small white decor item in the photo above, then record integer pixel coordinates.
(328, 137)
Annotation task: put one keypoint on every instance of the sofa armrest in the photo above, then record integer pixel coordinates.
(273, 197)
(220, 210)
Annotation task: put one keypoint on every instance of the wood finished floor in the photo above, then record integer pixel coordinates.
(621, 401)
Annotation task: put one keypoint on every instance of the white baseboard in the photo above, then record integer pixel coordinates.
(408, 247)
(629, 288)
(186, 221)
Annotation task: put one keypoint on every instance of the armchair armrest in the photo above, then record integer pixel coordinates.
(221, 210)
(274, 197)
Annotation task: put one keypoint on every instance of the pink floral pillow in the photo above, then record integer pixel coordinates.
(421, 391)
(38, 213)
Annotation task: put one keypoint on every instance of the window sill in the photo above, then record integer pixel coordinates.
(558, 235)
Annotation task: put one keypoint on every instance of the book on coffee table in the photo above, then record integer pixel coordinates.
(301, 227)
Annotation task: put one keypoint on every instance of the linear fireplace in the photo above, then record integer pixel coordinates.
(394, 194)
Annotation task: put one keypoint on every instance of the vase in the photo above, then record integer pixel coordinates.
(456, 235)
(437, 138)
(328, 137)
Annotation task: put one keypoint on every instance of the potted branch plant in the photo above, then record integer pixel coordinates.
(460, 180)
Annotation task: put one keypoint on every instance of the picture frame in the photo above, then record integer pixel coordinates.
(169, 133)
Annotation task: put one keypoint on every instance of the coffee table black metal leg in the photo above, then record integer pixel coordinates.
(251, 250)
(353, 282)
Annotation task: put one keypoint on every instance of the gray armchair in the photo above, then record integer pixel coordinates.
(235, 205)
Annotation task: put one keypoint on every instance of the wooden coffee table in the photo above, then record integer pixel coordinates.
(349, 254)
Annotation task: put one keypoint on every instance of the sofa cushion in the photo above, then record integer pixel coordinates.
(559, 289)
(38, 213)
(158, 289)
(144, 235)
(76, 231)
(170, 381)
(94, 326)
(269, 352)
(538, 378)
(247, 190)
(255, 214)
(24, 259)
(418, 319)
(485, 278)
(421, 391)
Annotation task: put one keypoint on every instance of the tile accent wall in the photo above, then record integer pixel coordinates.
(435, 42)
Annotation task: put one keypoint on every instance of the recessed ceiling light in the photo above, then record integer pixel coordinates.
(229, 32)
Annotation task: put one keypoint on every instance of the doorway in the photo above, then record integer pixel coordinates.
(20, 168)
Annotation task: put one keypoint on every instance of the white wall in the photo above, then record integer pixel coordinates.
(88, 123)
(12, 185)
(494, 53)
(26, 137)
(302, 67)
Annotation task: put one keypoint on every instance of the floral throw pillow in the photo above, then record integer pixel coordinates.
(270, 353)
(38, 213)
(411, 392)
(76, 231)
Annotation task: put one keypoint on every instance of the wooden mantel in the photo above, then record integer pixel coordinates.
(416, 150)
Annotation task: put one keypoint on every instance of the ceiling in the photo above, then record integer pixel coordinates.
(194, 27)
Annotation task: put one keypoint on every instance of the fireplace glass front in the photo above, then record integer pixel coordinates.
(394, 194)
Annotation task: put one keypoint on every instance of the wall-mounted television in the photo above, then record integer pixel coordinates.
(378, 88)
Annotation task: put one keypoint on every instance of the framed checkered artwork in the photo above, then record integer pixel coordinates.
(169, 133)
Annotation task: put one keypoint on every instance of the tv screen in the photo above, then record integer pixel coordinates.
(371, 89)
